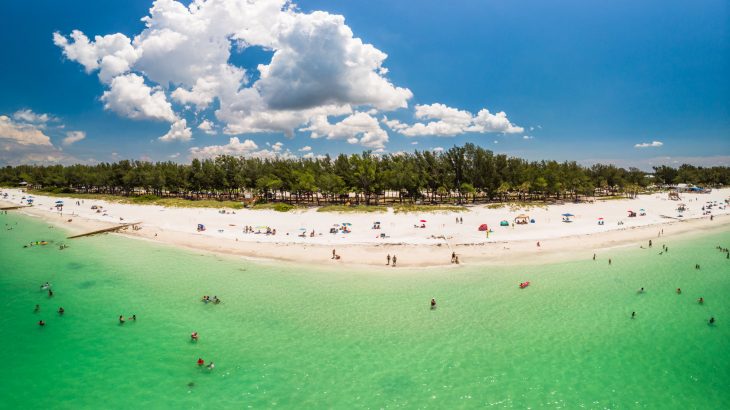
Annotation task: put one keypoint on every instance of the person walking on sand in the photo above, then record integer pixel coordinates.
(594, 256)
(650, 243)
(388, 262)
(334, 254)
(453, 256)
(394, 260)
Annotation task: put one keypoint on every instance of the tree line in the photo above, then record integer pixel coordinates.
(461, 174)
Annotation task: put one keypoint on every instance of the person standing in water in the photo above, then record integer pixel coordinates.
(433, 303)
(609, 261)
(633, 315)
(37, 309)
(394, 260)
(650, 243)
(388, 258)
(594, 256)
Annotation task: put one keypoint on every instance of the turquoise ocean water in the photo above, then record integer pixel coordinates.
(303, 337)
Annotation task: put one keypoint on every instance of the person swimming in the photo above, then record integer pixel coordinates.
(679, 291)
(712, 320)
(200, 362)
(41, 323)
(633, 315)
(216, 300)
(134, 317)
(45, 286)
(37, 309)
(433, 303)
(121, 319)
(50, 293)
(701, 300)
(211, 366)
(61, 310)
(194, 336)
(641, 290)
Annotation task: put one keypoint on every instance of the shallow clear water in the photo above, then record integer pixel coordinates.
(304, 337)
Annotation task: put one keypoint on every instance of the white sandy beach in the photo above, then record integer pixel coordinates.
(414, 246)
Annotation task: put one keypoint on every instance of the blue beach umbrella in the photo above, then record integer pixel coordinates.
(568, 215)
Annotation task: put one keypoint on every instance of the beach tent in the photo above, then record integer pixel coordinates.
(522, 219)
(483, 227)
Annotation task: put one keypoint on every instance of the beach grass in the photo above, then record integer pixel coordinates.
(278, 207)
(402, 209)
(352, 208)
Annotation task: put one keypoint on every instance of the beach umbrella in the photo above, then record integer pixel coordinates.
(59, 202)
(262, 227)
(302, 229)
(423, 220)
(346, 224)
(600, 219)
(568, 215)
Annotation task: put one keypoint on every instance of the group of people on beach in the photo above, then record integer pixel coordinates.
(394, 259)
(249, 229)
(454, 258)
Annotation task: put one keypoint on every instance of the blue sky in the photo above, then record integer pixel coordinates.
(576, 80)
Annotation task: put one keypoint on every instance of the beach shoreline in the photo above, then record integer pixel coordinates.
(506, 246)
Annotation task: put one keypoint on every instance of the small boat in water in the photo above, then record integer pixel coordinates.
(524, 285)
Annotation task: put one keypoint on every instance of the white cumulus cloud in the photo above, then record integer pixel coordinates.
(441, 120)
(358, 128)
(305, 148)
(236, 148)
(129, 96)
(179, 131)
(29, 116)
(652, 144)
(21, 133)
(207, 127)
(73, 136)
(319, 68)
